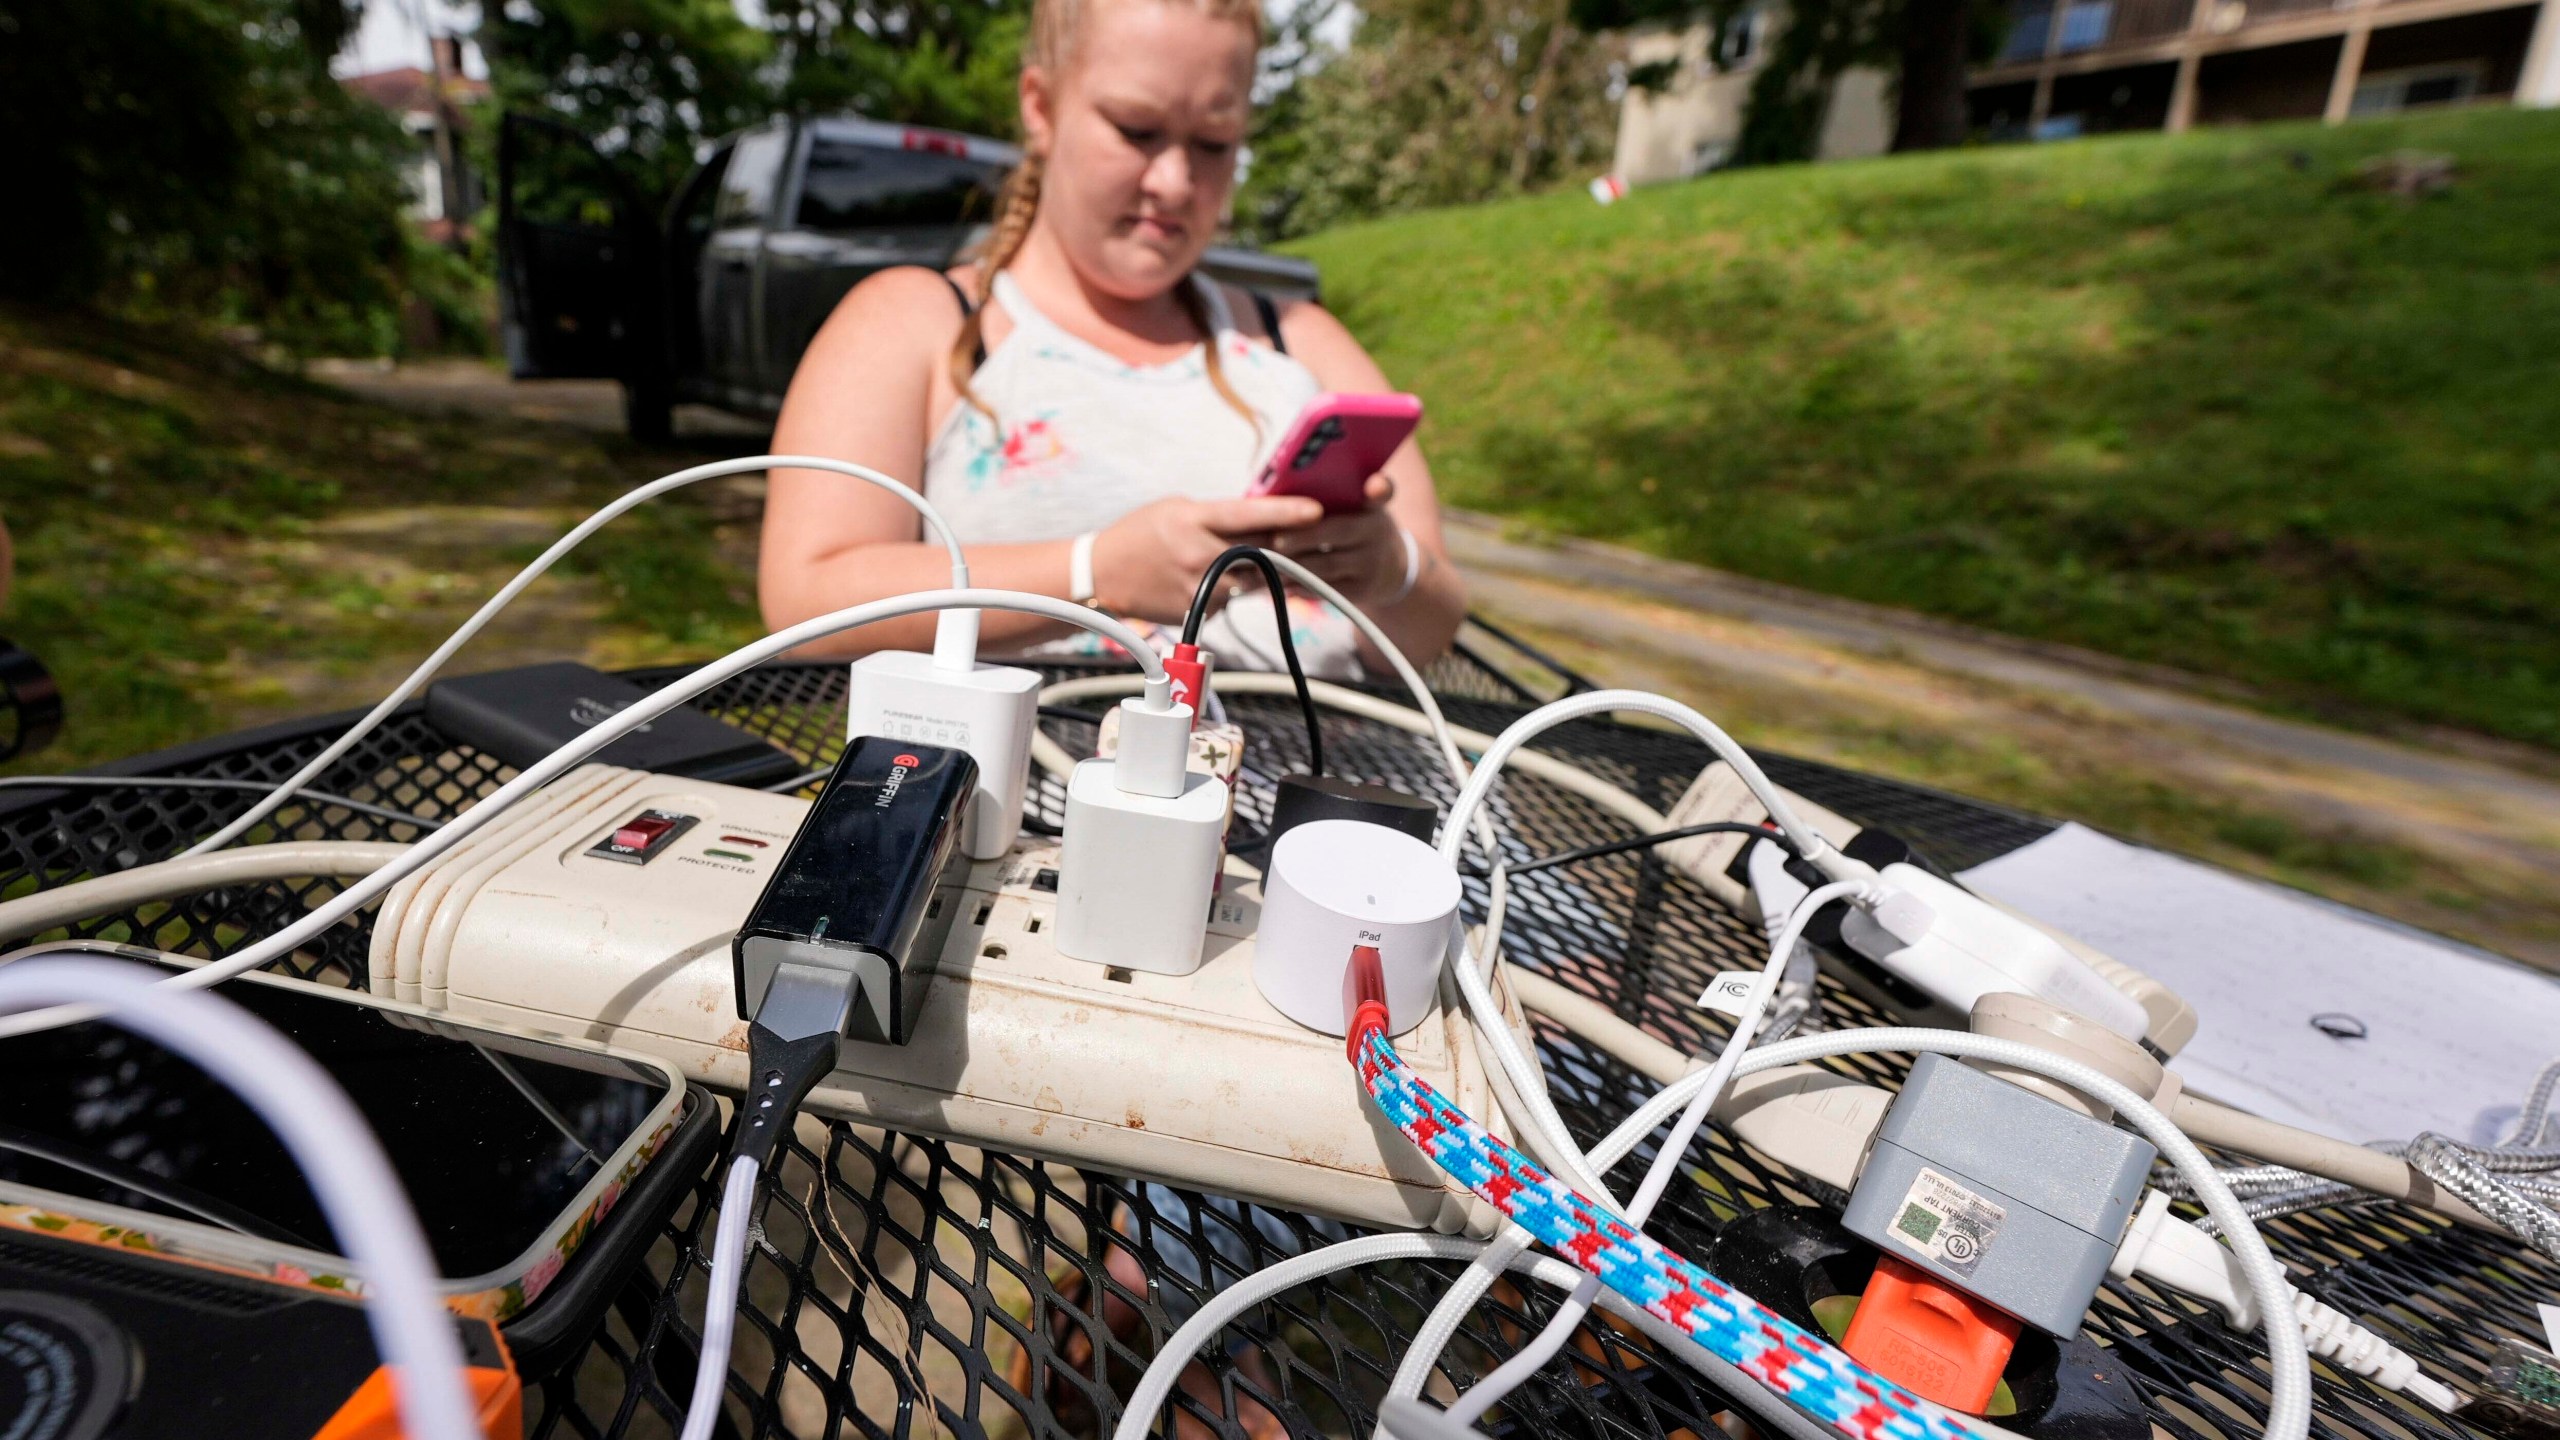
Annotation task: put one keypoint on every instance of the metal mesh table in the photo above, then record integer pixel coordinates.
(905, 1285)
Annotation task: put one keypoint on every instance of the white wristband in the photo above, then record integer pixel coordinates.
(1412, 567)
(1080, 569)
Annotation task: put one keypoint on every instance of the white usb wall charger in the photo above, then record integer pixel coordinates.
(950, 699)
(1139, 863)
(1336, 884)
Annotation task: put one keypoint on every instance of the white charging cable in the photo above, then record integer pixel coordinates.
(1390, 652)
(168, 880)
(614, 727)
(1508, 1376)
(1528, 1081)
(507, 593)
(720, 1315)
(340, 1158)
(1810, 844)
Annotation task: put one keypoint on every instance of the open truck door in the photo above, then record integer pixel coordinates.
(581, 283)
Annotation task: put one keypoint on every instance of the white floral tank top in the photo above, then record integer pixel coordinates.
(1081, 438)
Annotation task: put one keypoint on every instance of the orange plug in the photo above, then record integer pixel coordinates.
(489, 1374)
(1930, 1338)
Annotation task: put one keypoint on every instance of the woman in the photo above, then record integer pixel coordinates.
(1085, 410)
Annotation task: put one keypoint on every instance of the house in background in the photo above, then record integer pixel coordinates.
(433, 108)
(2085, 67)
(1688, 126)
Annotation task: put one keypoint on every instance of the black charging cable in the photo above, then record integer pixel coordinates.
(1770, 833)
(793, 1043)
(1280, 617)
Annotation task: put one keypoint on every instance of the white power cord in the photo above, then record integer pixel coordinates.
(1666, 1163)
(2174, 1254)
(720, 1313)
(621, 723)
(1809, 842)
(193, 874)
(339, 1156)
(2357, 1165)
(577, 536)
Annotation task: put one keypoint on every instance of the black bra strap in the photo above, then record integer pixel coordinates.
(1270, 314)
(979, 359)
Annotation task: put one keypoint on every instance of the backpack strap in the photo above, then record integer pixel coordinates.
(1270, 314)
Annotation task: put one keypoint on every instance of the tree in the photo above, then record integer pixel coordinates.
(650, 81)
(945, 63)
(1433, 102)
(195, 155)
(647, 81)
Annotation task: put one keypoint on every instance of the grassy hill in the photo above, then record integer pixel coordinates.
(2205, 400)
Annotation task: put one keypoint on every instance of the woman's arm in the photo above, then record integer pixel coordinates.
(864, 392)
(1367, 559)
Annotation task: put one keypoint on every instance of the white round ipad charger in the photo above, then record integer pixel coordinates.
(1336, 884)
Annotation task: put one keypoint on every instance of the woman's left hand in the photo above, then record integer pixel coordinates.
(1362, 553)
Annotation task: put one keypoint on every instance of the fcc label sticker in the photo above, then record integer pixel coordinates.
(1948, 1223)
(1731, 991)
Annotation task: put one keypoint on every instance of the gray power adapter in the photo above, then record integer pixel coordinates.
(1999, 1192)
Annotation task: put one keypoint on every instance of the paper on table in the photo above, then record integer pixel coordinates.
(2452, 1036)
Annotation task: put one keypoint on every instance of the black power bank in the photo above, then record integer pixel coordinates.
(522, 715)
(869, 885)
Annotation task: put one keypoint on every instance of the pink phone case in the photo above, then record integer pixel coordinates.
(1335, 445)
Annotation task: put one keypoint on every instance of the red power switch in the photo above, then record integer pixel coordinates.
(641, 832)
(640, 839)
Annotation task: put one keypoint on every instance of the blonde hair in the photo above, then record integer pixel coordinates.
(1056, 25)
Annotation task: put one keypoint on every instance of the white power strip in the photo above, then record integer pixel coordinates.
(1194, 1080)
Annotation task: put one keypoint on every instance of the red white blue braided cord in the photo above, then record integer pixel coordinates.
(1809, 1372)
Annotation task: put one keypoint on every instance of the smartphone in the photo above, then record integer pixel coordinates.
(513, 1149)
(1335, 445)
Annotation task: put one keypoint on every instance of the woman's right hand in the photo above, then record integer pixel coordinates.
(1148, 564)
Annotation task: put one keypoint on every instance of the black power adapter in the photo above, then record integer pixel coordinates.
(846, 934)
(1298, 799)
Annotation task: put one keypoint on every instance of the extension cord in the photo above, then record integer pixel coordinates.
(1192, 1080)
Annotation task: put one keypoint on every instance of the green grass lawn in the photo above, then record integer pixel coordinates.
(204, 544)
(2205, 400)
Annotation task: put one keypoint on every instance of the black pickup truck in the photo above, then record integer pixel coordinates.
(713, 300)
